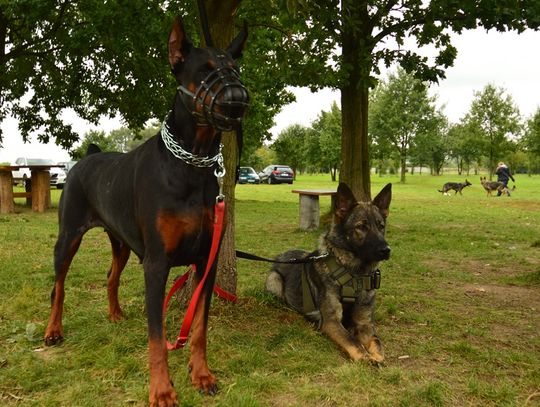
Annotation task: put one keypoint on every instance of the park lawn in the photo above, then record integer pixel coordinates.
(458, 310)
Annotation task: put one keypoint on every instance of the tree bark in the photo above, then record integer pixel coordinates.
(403, 170)
(355, 168)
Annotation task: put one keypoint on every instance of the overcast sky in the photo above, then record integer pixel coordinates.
(507, 60)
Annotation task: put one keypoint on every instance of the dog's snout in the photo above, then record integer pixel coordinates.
(384, 253)
(235, 101)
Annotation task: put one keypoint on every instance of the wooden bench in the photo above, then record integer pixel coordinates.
(309, 206)
(22, 194)
(40, 195)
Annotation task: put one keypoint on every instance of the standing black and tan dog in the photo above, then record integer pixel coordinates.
(455, 186)
(493, 186)
(157, 201)
(337, 290)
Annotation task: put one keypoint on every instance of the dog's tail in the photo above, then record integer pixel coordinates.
(93, 149)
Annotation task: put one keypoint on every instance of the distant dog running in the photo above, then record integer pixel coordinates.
(456, 186)
(493, 186)
(337, 288)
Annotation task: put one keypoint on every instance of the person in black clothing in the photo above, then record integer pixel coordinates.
(503, 176)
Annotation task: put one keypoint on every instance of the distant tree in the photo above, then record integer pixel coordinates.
(312, 151)
(430, 146)
(465, 145)
(327, 127)
(494, 116)
(264, 157)
(531, 139)
(99, 138)
(289, 146)
(402, 110)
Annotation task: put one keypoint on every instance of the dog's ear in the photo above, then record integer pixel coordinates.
(179, 43)
(237, 45)
(345, 201)
(382, 200)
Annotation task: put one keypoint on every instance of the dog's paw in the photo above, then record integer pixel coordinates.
(163, 396)
(206, 384)
(116, 316)
(375, 351)
(53, 340)
(376, 360)
(53, 336)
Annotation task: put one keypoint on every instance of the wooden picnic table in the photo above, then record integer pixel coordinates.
(40, 194)
(309, 206)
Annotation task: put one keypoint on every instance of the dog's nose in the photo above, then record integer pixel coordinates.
(384, 253)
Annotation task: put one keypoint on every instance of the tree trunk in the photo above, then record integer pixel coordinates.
(355, 169)
(221, 21)
(403, 162)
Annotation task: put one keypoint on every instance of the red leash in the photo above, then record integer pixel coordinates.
(219, 211)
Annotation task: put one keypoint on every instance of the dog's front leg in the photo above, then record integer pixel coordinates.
(364, 330)
(201, 377)
(332, 314)
(161, 391)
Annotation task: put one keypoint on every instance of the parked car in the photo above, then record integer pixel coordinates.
(277, 174)
(58, 179)
(22, 175)
(247, 175)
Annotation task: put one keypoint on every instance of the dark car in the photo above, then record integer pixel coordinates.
(277, 174)
(247, 175)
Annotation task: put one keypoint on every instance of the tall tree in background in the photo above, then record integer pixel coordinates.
(431, 145)
(465, 146)
(327, 128)
(402, 110)
(531, 140)
(494, 116)
(289, 146)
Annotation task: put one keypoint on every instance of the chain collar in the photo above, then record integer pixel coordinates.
(189, 158)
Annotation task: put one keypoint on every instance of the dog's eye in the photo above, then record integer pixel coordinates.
(361, 227)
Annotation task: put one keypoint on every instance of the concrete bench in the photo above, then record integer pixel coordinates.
(309, 206)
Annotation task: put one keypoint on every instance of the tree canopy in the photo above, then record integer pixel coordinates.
(92, 57)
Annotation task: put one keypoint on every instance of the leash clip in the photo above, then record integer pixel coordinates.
(221, 196)
(220, 172)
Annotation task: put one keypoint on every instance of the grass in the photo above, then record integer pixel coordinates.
(458, 310)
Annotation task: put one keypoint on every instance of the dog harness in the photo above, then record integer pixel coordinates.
(351, 284)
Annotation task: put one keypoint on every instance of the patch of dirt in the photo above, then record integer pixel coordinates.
(519, 308)
(529, 206)
(507, 296)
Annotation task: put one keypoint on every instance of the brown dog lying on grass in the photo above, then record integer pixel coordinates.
(337, 289)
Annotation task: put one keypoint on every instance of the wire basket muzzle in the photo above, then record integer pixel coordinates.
(220, 100)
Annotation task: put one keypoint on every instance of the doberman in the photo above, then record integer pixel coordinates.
(158, 200)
